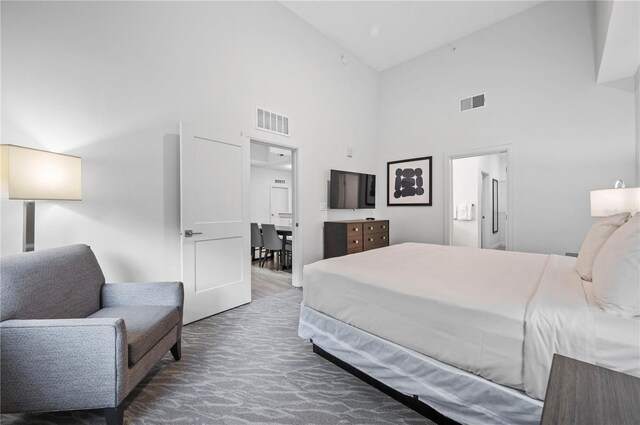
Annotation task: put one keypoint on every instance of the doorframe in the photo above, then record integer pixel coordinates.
(296, 192)
(507, 149)
(481, 207)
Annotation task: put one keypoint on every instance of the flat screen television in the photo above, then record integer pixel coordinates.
(352, 190)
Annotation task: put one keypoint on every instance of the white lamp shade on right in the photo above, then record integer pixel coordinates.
(607, 202)
(32, 174)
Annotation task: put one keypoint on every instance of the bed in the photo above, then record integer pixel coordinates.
(468, 332)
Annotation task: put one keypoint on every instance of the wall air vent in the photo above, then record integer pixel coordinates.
(272, 122)
(280, 181)
(473, 102)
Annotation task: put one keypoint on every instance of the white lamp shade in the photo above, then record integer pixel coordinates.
(32, 174)
(607, 202)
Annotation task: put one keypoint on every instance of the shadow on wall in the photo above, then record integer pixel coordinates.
(171, 196)
(130, 210)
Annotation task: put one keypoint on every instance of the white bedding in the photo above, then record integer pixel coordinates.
(558, 320)
(497, 314)
(617, 339)
(563, 317)
(462, 396)
(462, 306)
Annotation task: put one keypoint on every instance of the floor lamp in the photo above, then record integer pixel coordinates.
(32, 174)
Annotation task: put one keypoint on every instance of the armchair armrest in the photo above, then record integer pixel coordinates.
(62, 364)
(147, 293)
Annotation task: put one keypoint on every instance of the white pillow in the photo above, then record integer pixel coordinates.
(596, 237)
(616, 271)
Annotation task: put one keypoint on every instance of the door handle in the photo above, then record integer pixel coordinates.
(189, 233)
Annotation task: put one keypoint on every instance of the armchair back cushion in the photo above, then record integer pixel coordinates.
(57, 283)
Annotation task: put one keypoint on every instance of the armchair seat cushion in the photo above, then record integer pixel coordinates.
(145, 326)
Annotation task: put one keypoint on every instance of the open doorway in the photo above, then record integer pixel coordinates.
(478, 200)
(272, 212)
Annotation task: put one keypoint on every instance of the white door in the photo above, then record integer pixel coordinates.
(214, 204)
(280, 204)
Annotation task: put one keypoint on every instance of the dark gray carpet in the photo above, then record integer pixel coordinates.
(247, 366)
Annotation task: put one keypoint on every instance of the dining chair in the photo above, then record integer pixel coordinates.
(288, 253)
(256, 243)
(272, 241)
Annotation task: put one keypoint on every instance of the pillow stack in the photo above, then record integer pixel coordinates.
(597, 236)
(616, 271)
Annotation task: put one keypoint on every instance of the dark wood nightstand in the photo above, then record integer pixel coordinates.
(581, 393)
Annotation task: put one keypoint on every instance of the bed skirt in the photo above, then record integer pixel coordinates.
(459, 395)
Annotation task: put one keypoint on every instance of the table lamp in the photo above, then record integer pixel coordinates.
(606, 202)
(33, 174)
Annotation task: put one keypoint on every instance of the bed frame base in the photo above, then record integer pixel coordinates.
(411, 402)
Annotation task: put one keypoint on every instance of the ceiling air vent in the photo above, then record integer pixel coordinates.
(472, 102)
(272, 122)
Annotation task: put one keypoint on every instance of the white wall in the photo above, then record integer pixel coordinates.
(637, 80)
(569, 135)
(110, 81)
(261, 181)
(617, 25)
(603, 11)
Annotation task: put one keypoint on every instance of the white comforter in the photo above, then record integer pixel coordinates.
(498, 314)
(563, 317)
(558, 320)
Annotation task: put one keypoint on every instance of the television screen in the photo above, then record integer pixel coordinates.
(352, 190)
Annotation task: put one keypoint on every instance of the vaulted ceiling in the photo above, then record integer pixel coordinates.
(386, 33)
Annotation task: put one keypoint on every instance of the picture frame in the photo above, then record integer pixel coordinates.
(409, 182)
(494, 198)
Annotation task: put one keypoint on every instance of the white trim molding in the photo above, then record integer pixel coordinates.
(448, 189)
(296, 183)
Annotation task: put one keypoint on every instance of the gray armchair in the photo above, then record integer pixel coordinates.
(68, 341)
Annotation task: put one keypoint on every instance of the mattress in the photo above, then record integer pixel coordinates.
(462, 306)
(459, 395)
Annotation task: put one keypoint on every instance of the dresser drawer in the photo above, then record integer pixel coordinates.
(376, 240)
(354, 229)
(352, 236)
(354, 244)
(376, 227)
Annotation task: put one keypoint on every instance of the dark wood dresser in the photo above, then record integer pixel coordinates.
(351, 236)
(580, 393)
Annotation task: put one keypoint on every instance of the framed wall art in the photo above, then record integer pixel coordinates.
(409, 182)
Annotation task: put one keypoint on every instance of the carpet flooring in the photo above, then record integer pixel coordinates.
(247, 366)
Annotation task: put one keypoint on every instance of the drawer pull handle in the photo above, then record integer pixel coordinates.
(384, 237)
(384, 227)
(370, 239)
(355, 229)
(370, 228)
